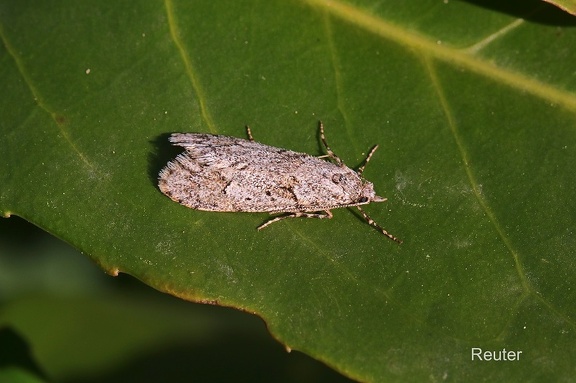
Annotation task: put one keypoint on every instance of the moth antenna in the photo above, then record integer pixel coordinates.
(361, 168)
(378, 227)
(329, 151)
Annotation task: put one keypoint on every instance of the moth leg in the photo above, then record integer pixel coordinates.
(329, 151)
(324, 214)
(249, 133)
(361, 168)
(375, 225)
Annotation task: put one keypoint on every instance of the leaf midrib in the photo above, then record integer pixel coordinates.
(457, 57)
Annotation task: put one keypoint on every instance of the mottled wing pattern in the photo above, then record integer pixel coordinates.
(219, 173)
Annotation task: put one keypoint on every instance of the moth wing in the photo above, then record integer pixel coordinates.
(220, 173)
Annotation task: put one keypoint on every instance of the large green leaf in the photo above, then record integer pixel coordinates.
(475, 113)
(567, 5)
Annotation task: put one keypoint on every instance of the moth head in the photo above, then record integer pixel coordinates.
(368, 194)
(357, 190)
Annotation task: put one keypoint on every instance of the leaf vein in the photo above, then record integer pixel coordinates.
(493, 37)
(39, 100)
(458, 57)
(472, 178)
(188, 65)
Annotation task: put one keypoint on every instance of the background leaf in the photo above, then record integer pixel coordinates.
(567, 5)
(16, 362)
(474, 110)
(83, 326)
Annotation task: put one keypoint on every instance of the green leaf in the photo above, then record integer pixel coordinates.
(567, 5)
(474, 110)
(51, 295)
(17, 375)
(16, 362)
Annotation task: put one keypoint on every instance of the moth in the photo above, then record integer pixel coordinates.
(229, 174)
